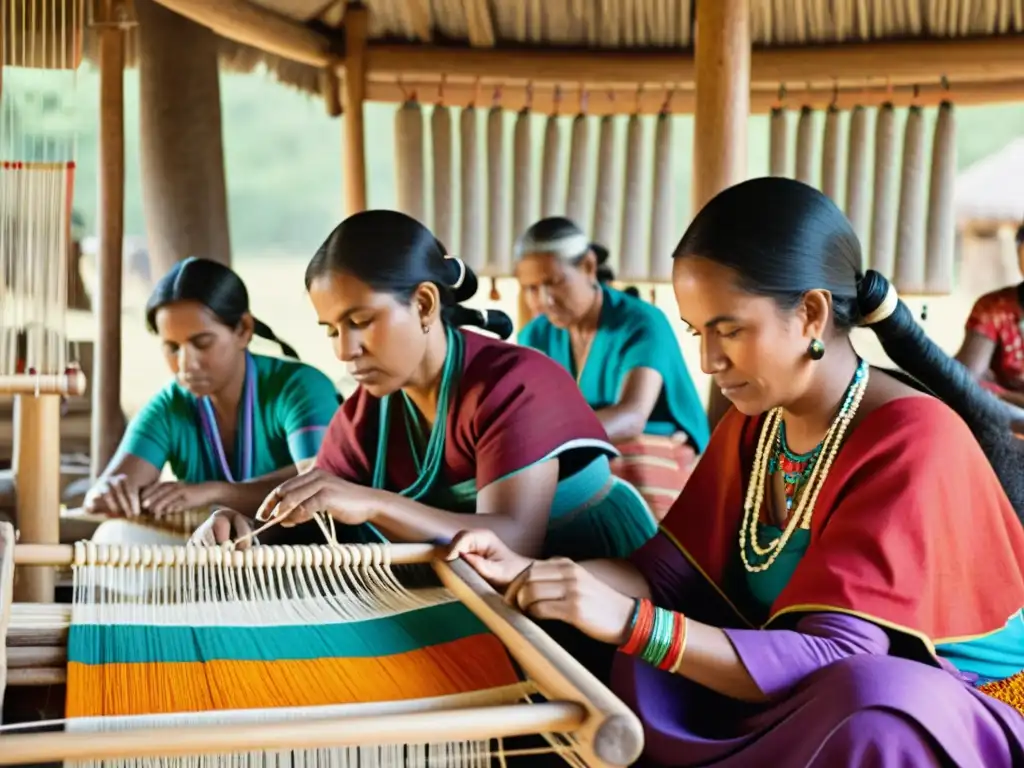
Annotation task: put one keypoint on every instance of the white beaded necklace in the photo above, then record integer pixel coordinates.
(801, 516)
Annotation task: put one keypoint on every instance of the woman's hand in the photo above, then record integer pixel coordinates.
(564, 590)
(488, 555)
(295, 501)
(222, 526)
(162, 499)
(113, 495)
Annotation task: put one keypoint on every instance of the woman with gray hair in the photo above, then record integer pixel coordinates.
(623, 353)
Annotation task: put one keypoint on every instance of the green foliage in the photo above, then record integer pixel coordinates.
(283, 153)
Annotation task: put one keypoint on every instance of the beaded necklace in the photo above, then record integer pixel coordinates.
(796, 468)
(816, 469)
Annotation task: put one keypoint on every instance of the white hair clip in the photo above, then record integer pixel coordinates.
(462, 272)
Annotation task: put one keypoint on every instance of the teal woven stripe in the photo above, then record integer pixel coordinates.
(384, 636)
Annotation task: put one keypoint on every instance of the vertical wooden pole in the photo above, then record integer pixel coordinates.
(181, 143)
(355, 94)
(106, 383)
(722, 75)
(37, 485)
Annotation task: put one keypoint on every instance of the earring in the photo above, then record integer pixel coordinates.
(426, 329)
(816, 349)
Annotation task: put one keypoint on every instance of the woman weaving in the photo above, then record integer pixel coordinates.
(623, 353)
(839, 582)
(447, 422)
(232, 425)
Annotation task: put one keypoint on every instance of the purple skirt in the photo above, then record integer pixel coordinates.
(867, 711)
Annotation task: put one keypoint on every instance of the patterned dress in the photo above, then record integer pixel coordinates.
(999, 316)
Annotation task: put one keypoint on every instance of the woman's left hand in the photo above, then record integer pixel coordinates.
(295, 501)
(171, 498)
(564, 590)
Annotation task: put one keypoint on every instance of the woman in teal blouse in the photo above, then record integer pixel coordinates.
(232, 425)
(622, 351)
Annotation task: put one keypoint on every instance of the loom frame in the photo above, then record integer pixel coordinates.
(607, 732)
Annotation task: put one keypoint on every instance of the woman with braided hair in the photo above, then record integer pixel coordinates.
(232, 425)
(839, 583)
(445, 421)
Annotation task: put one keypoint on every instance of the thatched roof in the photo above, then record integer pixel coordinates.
(607, 25)
(989, 192)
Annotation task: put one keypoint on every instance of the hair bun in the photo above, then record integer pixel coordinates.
(876, 298)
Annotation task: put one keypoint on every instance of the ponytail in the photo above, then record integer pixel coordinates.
(909, 347)
(264, 331)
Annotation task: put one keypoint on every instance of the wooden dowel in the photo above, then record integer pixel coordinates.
(611, 732)
(70, 384)
(899, 62)
(37, 482)
(42, 633)
(36, 677)
(473, 724)
(64, 554)
(36, 657)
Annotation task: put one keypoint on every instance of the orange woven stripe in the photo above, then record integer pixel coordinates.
(471, 664)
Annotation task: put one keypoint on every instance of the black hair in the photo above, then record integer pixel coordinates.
(1019, 237)
(217, 287)
(632, 290)
(561, 237)
(393, 253)
(784, 238)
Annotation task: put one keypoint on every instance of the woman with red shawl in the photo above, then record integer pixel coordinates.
(839, 583)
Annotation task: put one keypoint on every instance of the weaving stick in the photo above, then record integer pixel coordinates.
(427, 727)
(612, 733)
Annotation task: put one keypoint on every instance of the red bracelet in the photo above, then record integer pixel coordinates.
(642, 628)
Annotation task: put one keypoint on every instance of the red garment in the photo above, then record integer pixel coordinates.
(513, 407)
(911, 530)
(658, 467)
(998, 316)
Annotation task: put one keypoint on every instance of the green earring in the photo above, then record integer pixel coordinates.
(816, 349)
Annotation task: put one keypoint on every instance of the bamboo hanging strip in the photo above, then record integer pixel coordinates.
(857, 207)
(606, 199)
(189, 656)
(883, 222)
(940, 243)
(908, 272)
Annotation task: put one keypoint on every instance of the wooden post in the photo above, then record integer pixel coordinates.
(37, 485)
(106, 383)
(184, 196)
(355, 94)
(722, 81)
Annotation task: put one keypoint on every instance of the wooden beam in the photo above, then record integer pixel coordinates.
(249, 24)
(546, 100)
(898, 62)
(106, 385)
(721, 115)
(356, 27)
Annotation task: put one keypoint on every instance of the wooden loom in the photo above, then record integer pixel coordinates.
(36, 188)
(592, 724)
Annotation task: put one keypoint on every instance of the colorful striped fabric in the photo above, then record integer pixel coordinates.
(231, 654)
(658, 467)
